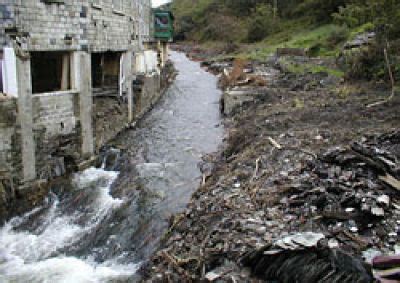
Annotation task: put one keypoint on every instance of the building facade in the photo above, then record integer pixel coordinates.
(57, 57)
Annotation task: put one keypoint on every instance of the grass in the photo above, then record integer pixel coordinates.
(368, 27)
(312, 68)
(321, 41)
(298, 37)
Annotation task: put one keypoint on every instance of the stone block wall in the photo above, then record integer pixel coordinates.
(8, 123)
(56, 113)
(148, 94)
(89, 25)
(7, 19)
(57, 133)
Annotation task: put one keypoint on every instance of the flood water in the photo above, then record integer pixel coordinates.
(111, 219)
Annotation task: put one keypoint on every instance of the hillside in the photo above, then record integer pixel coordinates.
(254, 29)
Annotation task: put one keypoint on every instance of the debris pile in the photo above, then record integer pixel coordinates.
(280, 261)
(351, 193)
(291, 183)
(348, 197)
(241, 74)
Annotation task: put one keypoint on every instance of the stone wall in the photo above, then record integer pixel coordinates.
(150, 89)
(10, 159)
(56, 113)
(150, 93)
(57, 133)
(57, 136)
(7, 19)
(8, 121)
(76, 24)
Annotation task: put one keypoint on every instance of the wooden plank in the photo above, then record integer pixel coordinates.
(65, 76)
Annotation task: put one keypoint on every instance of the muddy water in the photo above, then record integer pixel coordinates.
(109, 221)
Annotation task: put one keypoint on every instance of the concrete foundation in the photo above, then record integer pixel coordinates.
(82, 81)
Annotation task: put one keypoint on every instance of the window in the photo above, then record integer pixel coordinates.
(51, 71)
(117, 5)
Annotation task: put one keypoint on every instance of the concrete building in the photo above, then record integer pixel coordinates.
(58, 57)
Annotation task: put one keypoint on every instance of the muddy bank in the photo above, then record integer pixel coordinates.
(304, 156)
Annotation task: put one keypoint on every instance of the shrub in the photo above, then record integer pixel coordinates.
(369, 63)
(338, 35)
(224, 28)
(262, 23)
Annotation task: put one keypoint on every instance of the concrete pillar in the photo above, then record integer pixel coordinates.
(82, 82)
(164, 53)
(24, 84)
(128, 71)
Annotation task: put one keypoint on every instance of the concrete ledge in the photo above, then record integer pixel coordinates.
(235, 98)
(56, 93)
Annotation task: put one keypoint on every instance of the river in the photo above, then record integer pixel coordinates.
(109, 220)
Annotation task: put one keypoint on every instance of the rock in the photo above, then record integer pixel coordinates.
(306, 239)
(235, 98)
(383, 199)
(370, 254)
(378, 211)
(261, 230)
(360, 40)
(212, 276)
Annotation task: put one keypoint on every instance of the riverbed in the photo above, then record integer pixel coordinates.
(111, 219)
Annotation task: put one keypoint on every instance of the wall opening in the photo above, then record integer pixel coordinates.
(105, 73)
(51, 71)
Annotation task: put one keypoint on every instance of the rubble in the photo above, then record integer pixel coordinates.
(320, 182)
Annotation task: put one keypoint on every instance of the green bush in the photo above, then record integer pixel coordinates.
(353, 15)
(320, 11)
(262, 23)
(369, 64)
(338, 35)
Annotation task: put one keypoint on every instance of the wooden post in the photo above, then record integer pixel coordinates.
(65, 77)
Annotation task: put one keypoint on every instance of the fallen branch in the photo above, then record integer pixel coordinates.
(274, 143)
(391, 81)
(391, 181)
(170, 259)
(256, 169)
(280, 147)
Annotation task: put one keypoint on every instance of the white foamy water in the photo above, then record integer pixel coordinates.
(32, 255)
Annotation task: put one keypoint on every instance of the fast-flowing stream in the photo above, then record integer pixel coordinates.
(111, 219)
